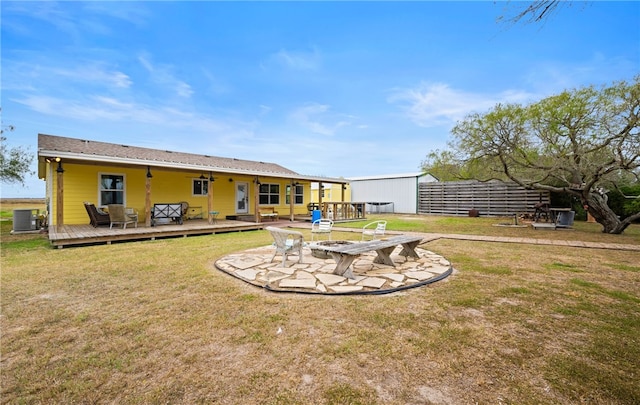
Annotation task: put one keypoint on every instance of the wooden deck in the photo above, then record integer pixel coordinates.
(74, 235)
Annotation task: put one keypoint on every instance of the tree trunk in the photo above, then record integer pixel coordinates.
(604, 215)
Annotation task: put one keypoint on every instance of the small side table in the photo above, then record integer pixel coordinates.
(213, 217)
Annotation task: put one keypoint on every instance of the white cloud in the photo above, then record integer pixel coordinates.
(44, 75)
(94, 73)
(108, 109)
(297, 60)
(553, 77)
(161, 74)
(316, 118)
(133, 12)
(264, 110)
(216, 84)
(183, 89)
(434, 104)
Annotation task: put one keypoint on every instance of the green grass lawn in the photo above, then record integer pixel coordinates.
(155, 322)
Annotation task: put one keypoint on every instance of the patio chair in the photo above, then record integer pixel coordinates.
(118, 216)
(286, 242)
(133, 214)
(321, 226)
(185, 210)
(374, 229)
(543, 211)
(97, 217)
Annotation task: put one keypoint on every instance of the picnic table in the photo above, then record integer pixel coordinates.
(559, 217)
(344, 255)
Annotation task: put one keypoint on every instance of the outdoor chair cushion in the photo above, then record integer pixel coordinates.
(97, 217)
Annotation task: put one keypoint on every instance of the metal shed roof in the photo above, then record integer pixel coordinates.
(390, 176)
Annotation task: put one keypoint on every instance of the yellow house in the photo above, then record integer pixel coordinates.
(330, 192)
(79, 170)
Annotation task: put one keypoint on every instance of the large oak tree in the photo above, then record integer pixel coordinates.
(583, 142)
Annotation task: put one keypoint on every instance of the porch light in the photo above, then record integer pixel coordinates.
(211, 179)
(149, 172)
(59, 169)
(230, 180)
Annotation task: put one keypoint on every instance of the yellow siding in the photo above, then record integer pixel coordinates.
(332, 193)
(81, 184)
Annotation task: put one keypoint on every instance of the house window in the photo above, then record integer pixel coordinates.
(200, 187)
(111, 189)
(269, 194)
(298, 196)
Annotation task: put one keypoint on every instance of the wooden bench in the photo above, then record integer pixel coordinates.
(344, 255)
(167, 211)
(268, 212)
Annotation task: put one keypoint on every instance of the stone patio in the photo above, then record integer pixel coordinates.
(315, 276)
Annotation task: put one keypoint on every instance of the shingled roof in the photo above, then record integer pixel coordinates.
(81, 149)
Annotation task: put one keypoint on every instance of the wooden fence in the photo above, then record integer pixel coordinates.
(493, 198)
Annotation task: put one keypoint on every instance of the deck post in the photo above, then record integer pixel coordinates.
(210, 199)
(147, 199)
(292, 194)
(60, 195)
(256, 199)
(320, 206)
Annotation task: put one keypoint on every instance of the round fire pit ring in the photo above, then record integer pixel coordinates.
(323, 254)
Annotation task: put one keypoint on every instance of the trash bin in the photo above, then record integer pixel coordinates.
(316, 215)
(565, 219)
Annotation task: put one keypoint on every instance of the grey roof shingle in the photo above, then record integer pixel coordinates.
(49, 144)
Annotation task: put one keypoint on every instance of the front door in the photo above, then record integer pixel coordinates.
(242, 198)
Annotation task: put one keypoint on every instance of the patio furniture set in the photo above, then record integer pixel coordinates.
(288, 242)
(118, 214)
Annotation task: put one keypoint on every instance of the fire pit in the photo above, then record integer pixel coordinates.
(323, 254)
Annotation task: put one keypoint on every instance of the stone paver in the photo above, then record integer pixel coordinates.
(373, 282)
(309, 283)
(315, 275)
(330, 279)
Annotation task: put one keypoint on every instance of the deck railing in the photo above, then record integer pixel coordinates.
(343, 211)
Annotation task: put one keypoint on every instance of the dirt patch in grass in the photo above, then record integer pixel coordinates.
(155, 322)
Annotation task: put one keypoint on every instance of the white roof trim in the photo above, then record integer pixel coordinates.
(389, 176)
(183, 166)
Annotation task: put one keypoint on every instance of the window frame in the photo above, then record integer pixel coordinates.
(205, 185)
(298, 195)
(269, 194)
(123, 190)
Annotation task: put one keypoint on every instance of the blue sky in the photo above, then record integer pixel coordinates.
(338, 89)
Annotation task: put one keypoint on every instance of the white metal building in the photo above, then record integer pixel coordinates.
(390, 193)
